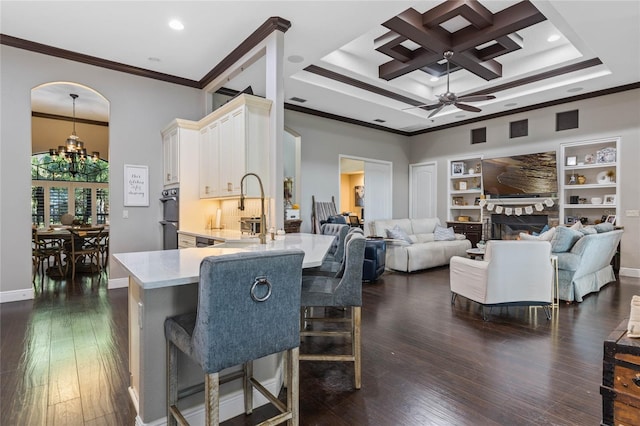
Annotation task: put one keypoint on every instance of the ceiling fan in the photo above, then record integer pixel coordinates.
(450, 98)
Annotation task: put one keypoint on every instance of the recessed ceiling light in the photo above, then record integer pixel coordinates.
(296, 59)
(153, 59)
(574, 89)
(434, 79)
(176, 25)
(379, 120)
(510, 104)
(553, 37)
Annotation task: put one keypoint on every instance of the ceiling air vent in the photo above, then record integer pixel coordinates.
(379, 120)
(295, 99)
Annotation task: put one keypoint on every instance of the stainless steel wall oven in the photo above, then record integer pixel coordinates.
(170, 218)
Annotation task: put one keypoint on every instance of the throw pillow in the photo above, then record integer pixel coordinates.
(604, 227)
(577, 226)
(443, 234)
(564, 239)
(398, 233)
(587, 230)
(545, 236)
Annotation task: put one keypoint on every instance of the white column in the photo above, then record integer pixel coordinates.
(275, 92)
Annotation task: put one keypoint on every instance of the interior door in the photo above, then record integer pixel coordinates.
(378, 194)
(423, 190)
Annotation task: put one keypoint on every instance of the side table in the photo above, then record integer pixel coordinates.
(476, 253)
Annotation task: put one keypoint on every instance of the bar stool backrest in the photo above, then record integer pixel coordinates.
(248, 307)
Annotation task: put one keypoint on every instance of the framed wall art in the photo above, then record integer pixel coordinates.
(136, 185)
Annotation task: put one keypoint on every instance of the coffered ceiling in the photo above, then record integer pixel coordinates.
(374, 62)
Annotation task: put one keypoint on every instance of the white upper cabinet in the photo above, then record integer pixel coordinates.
(178, 142)
(234, 140)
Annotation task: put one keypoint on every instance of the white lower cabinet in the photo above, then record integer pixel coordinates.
(186, 241)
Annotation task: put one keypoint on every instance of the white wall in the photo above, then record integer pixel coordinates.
(324, 140)
(601, 117)
(140, 107)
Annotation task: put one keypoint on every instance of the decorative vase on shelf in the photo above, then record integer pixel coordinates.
(581, 180)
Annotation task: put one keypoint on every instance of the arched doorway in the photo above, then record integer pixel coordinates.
(70, 155)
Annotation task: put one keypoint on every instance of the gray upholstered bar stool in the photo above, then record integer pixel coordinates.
(333, 265)
(344, 291)
(248, 305)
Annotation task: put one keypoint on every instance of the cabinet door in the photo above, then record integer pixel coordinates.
(232, 149)
(208, 161)
(171, 157)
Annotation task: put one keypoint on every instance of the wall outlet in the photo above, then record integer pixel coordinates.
(632, 213)
(125, 214)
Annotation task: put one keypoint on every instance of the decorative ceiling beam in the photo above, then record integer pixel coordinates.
(426, 30)
(507, 21)
(478, 15)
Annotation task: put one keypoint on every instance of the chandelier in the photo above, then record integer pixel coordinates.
(73, 152)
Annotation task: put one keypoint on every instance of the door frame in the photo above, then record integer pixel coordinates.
(368, 160)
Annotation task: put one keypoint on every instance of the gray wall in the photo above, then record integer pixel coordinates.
(601, 117)
(324, 140)
(140, 108)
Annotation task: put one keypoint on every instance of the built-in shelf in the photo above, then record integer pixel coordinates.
(595, 163)
(590, 186)
(465, 189)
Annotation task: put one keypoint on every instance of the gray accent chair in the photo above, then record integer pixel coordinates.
(247, 309)
(337, 292)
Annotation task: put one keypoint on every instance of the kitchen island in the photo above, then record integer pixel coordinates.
(165, 283)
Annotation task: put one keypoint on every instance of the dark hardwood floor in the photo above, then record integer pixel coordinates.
(64, 359)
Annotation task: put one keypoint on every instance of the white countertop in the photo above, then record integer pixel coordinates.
(227, 235)
(166, 268)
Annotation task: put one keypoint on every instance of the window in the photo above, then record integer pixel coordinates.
(55, 192)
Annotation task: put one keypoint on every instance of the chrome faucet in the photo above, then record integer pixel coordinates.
(263, 219)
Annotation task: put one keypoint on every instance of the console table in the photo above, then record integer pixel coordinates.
(472, 230)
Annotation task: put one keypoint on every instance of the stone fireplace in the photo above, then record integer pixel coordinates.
(508, 227)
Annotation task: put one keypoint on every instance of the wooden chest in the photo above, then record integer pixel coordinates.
(620, 388)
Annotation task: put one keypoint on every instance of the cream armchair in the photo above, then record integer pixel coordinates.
(513, 273)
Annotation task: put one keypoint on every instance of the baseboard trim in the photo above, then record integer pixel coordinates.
(118, 283)
(16, 295)
(630, 272)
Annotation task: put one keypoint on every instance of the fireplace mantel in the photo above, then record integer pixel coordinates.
(519, 201)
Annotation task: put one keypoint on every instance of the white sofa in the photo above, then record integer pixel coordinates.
(423, 252)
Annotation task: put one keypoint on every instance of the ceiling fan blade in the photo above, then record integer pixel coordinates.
(467, 107)
(424, 106)
(476, 98)
(436, 111)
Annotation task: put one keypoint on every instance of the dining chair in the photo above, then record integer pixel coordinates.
(103, 245)
(344, 291)
(43, 250)
(84, 245)
(247, 309)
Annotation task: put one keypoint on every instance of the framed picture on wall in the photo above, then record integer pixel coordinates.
(359, 195)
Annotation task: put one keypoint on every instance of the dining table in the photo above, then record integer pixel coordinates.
(61, 233)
